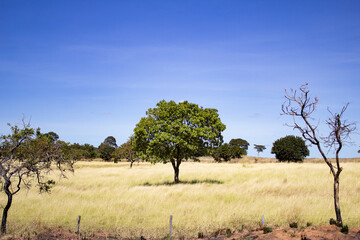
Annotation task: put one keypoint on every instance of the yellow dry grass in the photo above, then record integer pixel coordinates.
(138, 201)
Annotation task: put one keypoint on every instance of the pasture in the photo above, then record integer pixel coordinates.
(132, 202)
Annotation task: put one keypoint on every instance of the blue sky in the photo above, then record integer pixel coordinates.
(91, 69)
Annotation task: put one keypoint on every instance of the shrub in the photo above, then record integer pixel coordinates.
(226, 152)
(344, 229)
(267, 230)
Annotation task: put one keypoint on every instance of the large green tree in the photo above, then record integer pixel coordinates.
(290, 148)
(176, 131)
(26, 156)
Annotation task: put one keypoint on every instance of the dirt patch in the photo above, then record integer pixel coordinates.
(282, 233)
(313, 233)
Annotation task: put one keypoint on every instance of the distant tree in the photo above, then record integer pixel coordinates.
(222, 152)
(26, 156)
(78, 152)
(226, 152)
(176, 131)
(90, 151)
(241, 143)
(107, 147)
(259, 148)
(111, 141)
(117, 155)
(301, 106)
(106, 151)
(237, 151)
(127, 151)
(290, 148)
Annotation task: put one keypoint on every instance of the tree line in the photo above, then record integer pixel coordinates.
(290, 148)
(170, 132)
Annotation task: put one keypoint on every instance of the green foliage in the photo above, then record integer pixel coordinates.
(267, 230)
(127, 149)
(259, 148)
(173, 132)
(241, 143)
(177, 131)
(26, 155)
(237, 151)
(107, 148)
(89, 151)
(78, 152)
(290, 148)
(106, 151)
(227, 151)
(111, 141)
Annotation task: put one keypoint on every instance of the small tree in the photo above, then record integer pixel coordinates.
(259, 148)
(241, 143)
(302, 106)
(127, 151)
(107, 147)
(26, 155)
(173, 132)
(106, 151)
(290, 148)
(90, 151)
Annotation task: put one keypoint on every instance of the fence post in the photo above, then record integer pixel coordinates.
(263, 220)
(78, 225)
(170, 226)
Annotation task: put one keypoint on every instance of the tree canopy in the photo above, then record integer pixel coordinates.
(107, 148)
(241, 143)
(290, 148)
(176, 131)
(259, 148)
(111, 141)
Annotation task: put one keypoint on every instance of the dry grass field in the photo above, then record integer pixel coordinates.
(132, 202)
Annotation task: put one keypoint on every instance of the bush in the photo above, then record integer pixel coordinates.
(267, 230)
(226, 152)
(345, 229)
(290, 148)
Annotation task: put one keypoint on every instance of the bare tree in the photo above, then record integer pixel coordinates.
(26, 155)
(301, 105)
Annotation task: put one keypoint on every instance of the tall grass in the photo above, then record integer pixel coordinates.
(132, 202)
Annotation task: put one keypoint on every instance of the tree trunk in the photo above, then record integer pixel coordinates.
(7, 207)
(176, 170)
(176, 175)
(337, 202)
(132, 161)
